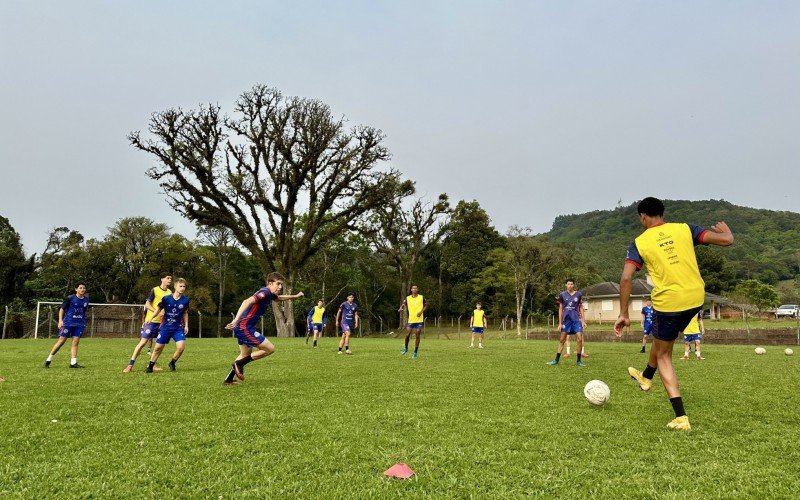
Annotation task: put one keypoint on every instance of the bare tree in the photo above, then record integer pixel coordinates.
(221, 240)
(283, 175)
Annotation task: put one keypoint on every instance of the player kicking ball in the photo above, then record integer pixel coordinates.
(174, 325)
(71, 323)
(252, 344)
(667, 249)
(570, 320)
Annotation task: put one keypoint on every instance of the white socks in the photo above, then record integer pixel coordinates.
(50, 358)
(73, 361)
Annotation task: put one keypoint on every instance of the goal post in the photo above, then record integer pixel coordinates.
(103, 320)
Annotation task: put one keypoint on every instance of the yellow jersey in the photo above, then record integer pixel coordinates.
(319, 312)
(415, 306)
(477, 318)
(156, 294)
(668, 252)
(693, 326)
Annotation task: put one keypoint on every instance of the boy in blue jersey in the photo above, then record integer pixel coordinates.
(316, 321)
(174, 325)
(647, 322)
(152, 321)
(244, 326)
(416, 305)
(347, 319)
(667, 249)
(71, 323)
(570, 320)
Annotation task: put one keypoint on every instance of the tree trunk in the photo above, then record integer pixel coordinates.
(520, 301)
(284, 314)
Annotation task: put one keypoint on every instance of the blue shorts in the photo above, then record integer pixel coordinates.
(666, 326)
(165, 334)
(149, 330)
(71, 331)
(648, 327)
(571, 327)
(347, 327)
(477, 329)
(316, 327)
(250, 338)
(691, 337)
(415, 326)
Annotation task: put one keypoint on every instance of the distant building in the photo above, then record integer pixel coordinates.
(601, 301)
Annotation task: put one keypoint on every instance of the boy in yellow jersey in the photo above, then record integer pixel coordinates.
(667, 249)
(415, 305)
(316, 321)
(152, 322)
(477, 322)
(693, 333)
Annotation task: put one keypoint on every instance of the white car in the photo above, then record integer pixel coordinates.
(787, 310)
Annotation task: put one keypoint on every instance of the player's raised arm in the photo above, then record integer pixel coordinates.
(719, 234)
(281, 298)
(249, 301)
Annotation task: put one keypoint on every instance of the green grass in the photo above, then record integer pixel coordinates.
(484, 423)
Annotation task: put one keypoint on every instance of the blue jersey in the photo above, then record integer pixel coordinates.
(174, 309)
(571, 304)
(647, 314)
(75, 310)
(348, 312)
(250, 318)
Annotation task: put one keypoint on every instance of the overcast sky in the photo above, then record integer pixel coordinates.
(535, 109)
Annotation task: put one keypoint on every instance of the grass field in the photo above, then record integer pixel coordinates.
(484, 423)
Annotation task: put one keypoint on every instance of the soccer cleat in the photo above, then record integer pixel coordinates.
(232, 382)
(172, 367)
(480, 346)
(405, 350)
(46, 364)
(238, 371)
(415, 355)
(636, 375)
(581, 363)
(339, 352)
(471, 346)
(643, 350)
(685, 356)
(552, 362)
(76, 365)
(348, 351)
(149, 369)
(680, 424)
(128, 369)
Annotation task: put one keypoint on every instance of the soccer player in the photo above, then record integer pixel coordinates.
(415, 305)
(693, 333)
(244, 326)
(174, 325)
(570, 320)
(71, 323)
(667, 249)
(478, 322)
(647, 322)
(347, 319)
(152, 322)
(316, 320)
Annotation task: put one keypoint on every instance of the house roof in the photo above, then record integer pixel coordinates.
(639, 288)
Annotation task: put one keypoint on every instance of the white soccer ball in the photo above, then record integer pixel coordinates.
(597, 392)
(788, 351)
(760, 350)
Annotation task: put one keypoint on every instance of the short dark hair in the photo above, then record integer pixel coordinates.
(568, 280)
(351, 294)
(273, 277)
(79, 283)
(164, 274)
(651, 206)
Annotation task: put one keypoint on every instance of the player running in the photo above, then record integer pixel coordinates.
(152, 322)
(174, 325)
(71, 323)
(570, 320)
(667, 249)
(415, 305)
(244, 326)
(647, 322)
(316, 321)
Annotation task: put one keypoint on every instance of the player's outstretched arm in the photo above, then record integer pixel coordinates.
(282, 298)
(719, 234)
(242, 308)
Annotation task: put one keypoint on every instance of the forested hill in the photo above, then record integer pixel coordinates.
(766, 246)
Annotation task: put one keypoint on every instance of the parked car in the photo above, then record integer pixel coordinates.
(787, 310)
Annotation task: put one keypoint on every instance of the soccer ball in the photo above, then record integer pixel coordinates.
(760, 350)
(597, 392)
(788, 351)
